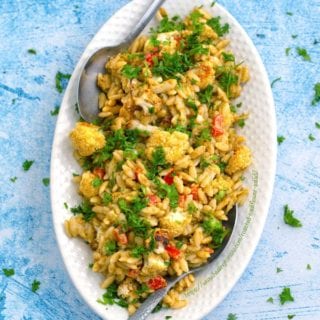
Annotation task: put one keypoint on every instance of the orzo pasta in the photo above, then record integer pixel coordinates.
(163, 166)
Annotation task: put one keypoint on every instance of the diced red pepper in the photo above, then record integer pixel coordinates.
(173, 252)
(182, 199)
(120, 237)
(150, 55)
(153, 199)
(194, 192)
(168, 178)
(100, 172)
(217, 129)
(157, 283)
(133, 273)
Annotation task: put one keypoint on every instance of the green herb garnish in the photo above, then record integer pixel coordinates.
(228, 56)
(110, 247)
(96, 182)
(169, 191)
(274, 81)
(35, 285)
(32, 51)
(55, 111)
(316, 97)
(85, 208)
(270, 300)
(192, 208)
(106, 198)
(214, 227)
(13, 179)
(205, 96)
(138, 251)
(8, 272)
(287, 51)
(279, 270)
(285, 296)
(302, 52)
(110, 297)
(291, 316)
(216, 25)
(311, 137)
(232, 316)
(290, 219)
(27, 164)
(308, 266)
(241, 123)
(60, 80)
(130, 71)
(280, 139)
(46, 181)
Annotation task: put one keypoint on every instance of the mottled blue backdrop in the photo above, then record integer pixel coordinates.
(59, 31)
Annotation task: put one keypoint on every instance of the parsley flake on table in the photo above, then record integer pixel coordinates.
(279, 270)
(291, 316)
(27, 164)
(317, 124)
(274, 81)
(261, 35)
(46, 181)
(270, 300)
(290, 219)
(311, 137)
(8, 272)
(212, 3)
(288, 13)
(13, 179)
(65, 205)
(61, 78)
(168, 317)
(294, 36)
(241, 123)
(308, 266)
(285, 296)
(232, 316)
(316, 97)
(55, 111)
(288, 51)
(280, 139)
(32, 51)
(315, 41)
(302, 52)
(35, 285)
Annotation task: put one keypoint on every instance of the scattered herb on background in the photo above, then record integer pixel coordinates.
(8, 272)
(294, 36)
(46, 181)
(65, 205)
(13, 179)
(316, 97)
(261, 35)
(285, 296)
(232, 316)
(289, 13)
(288, 51)
(168, 317)
(55, 111)
(32, 51)
(280, 139)
(241, 123)
(27, 164)
(302, 52)
(35, 285)
(308, 266)
(274, 81)
(290, 219)
(311, 137)
(279, 270)
(291, 316)
(60, 80)
(270, 300)
(317, 124)
(315, 41)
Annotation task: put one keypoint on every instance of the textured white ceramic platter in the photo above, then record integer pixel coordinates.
(214, 284)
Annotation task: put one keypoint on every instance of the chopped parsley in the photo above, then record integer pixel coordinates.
(316, 98)
(228, 56)
(203, 163)
(35, 285)
(157, 308)
(285, 296)
(226, 78)
(302, 52)
(65, 205)
(204, 136)
(233, 108)
(13, 179)
(106, 198)
(55, 111)
(308, 266)
(110, 297)
(192, 207)
(27, 164)
(274, 81)
(270, 300)
(205, 96)
(294, 36)
(290, 219)
(261, 35)
(130, 71)
(168, 25)
(317, 124)
(158, 161)
(168, 191)
(143, 288)
(214, 227)
(291, 316)
(46, 181)
(110, 247)
(218, 27)
(85, 208)
(96, 182)
(232, 316)
(168, 317)
(212, 3)
(288, 51)
(8, 272)
(311, 137)
(32, 51)
(61, 79)
(280, 139)
(279, 270)
(220, 195)
(315, 41)
(138, 251)
(288, 13)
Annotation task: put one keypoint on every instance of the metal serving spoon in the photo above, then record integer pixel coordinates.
(88, 91)
(150, 303)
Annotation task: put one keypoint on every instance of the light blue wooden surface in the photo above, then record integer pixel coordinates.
(59, 31)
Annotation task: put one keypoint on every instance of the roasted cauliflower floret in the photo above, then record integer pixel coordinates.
(86, 186)
(86, 138)
(223, 183)
(77, 227)
(175, 144)
(127, 288)
(175, 222)
(153, 265)
(240, 160)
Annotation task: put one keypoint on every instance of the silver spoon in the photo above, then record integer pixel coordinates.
(151, 302)
(88, 91)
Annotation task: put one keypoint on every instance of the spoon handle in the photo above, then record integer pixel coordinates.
(147, 16)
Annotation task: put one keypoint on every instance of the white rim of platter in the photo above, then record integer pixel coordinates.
(260, 130)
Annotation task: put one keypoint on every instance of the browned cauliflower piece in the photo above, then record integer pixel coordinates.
(240, 160)
(86, 185)
(153, 265)
(77, 227)
(175, 144)
(175, 222)
(86, 138)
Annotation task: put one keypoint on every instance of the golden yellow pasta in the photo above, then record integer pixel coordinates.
(163, 165)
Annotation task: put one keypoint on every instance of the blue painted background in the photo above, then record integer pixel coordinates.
(59, 31)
